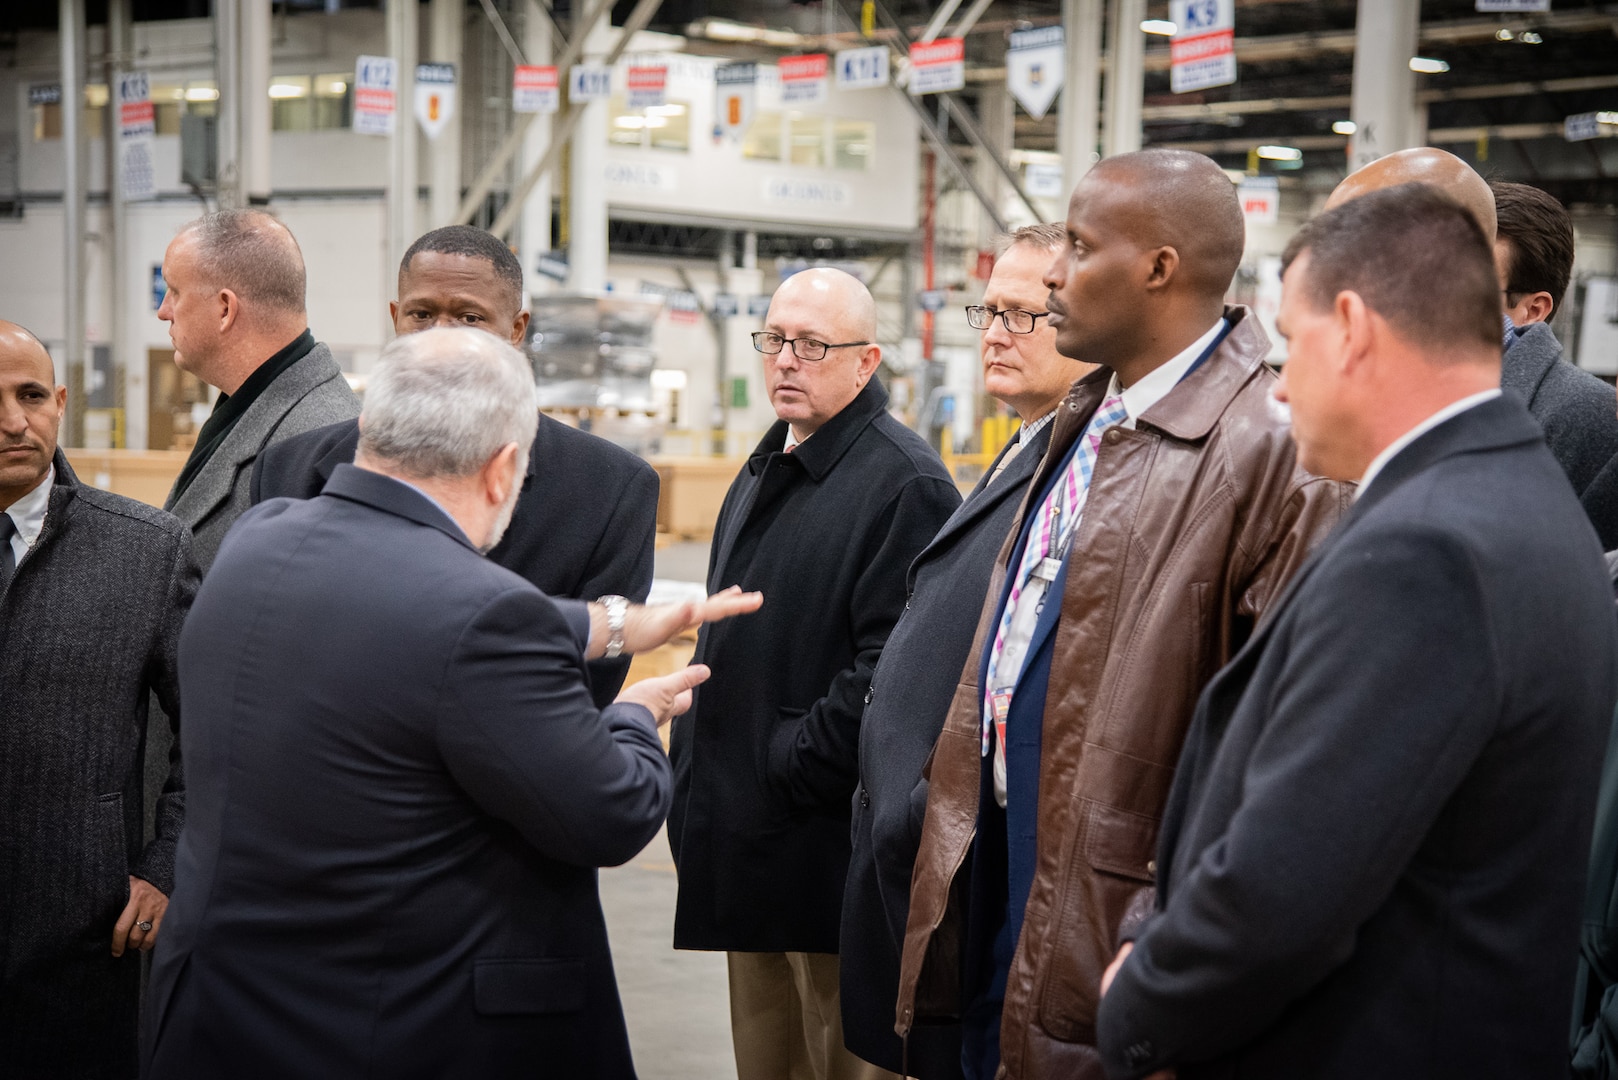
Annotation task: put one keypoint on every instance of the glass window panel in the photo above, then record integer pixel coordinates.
(806, 137)
(332, 105)
(762, 142)
(853, 142)
(291, 106)
(625, 126)
(668, 126)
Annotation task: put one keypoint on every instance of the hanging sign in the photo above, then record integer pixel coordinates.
(589, 82)
(1043, 180)
(1513, 5)
(758, 306)
(647, 86)
(137, 124)
(862, 69)
(1034, 68)
(376, 80)
(735, 88)
(938, 66)
(45, 93)
(803, 78)
(1202, 52)
(435, 97)
(534, 89)
(1260, 197)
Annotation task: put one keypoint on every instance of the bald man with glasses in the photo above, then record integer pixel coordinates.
(825, 518)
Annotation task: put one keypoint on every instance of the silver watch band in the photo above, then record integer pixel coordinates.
(617, 612)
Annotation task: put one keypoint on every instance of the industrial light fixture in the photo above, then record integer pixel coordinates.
(1344, 127)
(727, 30)
(201, 93)
(1503, 34)
(1528, 37)
(281, 91)
(1280, 153)
(1158, 26)
(1426, 65)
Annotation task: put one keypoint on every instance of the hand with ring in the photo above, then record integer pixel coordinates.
(142, 917)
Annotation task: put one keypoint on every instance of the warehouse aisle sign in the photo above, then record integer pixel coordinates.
(736, 90)
(589, 82)
(647, 86)
(435, 97)
(376, 82)
(1260, 197)
(137, 124)
(937, 67)
(862, 69)
(1202, 52)
(1034, 68)
(803, 78)
(1513, 5)
(534, 89)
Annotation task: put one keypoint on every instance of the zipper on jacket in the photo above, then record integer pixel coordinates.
(910, 1006)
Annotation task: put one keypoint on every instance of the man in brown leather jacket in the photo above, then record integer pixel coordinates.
(1168, 513)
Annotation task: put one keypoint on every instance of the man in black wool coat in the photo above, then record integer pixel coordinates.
(824, 519)
(93, 591)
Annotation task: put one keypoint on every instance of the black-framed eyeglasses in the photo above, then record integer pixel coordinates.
(1016, 320)
(803, 348)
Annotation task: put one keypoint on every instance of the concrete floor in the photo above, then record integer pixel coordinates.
(676, 1003)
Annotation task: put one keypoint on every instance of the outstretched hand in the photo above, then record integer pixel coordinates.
(667, 696)
(648, 626)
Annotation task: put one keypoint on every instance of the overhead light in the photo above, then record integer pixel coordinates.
(201, 93)
(1503, 34)
(665, 110)
(288, 90)
(725, 30)
(1159, 26)
(1528, 37)
(1280, 153)
(1426, 65)
(634, 123)
(728, 30)
(1344, 127)
(336, 87)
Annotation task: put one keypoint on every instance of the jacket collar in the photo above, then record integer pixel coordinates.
(1531, 356)
(391, 496)
(984, 499)
(820, 453)
(64, 489)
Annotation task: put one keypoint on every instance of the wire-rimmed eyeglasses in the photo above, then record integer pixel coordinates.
(803, 348)
(1016, 320)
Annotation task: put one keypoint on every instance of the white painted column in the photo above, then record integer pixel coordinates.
(1126, 76)
(254, 55)
(1384, 87)
(447, 47)
(587, 188)
(127, 361)
(230, 182)
(997, 119)
(1078, 119)
(74, 186)
(403, 183)
(534, 230)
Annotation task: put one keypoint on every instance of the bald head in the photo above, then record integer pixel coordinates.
(19, 346)
(1178, 199)
(1423, 165)
(252, 254)
(841, 299)
(31, 408)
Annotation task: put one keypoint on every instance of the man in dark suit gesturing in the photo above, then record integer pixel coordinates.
(401, 789)
(586, 517)
(1374, 851)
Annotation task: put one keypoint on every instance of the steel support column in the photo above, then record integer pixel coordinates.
(1079, 111)
(72, 33)
(404, 190)
(1384, 87)
(1126, 76)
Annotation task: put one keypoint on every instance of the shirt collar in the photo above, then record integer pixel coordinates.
(1026, 433)
(1454, 408)
(1155, 384)
(28, 512)
(792, 440)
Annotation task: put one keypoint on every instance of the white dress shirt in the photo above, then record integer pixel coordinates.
(28, 514)
(1454, 408)
(1156, 384)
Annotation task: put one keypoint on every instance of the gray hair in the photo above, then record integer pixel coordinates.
(254, 255)
(1046, 235)
(442, 402)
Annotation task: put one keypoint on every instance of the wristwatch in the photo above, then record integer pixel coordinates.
(617, 611)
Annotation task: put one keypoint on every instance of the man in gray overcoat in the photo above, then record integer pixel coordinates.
(93, 591)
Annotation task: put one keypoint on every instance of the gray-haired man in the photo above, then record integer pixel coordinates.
(402, 787)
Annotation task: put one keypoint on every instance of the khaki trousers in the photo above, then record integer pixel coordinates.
(786, 1021)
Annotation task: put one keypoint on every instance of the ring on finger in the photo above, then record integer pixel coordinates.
(144, 926)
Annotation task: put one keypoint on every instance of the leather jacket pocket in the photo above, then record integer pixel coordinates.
(527, 987)
(1113, 863)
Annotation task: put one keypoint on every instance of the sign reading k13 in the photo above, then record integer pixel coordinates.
(1202, 52)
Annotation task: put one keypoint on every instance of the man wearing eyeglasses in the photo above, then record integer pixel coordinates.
(825, 518)
(921, 663)
(1165, 518)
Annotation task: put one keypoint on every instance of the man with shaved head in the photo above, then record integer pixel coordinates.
(824, 519)
(1576, 409)
(1166, 517)
(93, 591)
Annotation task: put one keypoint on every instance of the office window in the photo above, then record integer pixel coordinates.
(762, 140)
(852, 143)
(806, 139)
(47, 118)
(659, 127)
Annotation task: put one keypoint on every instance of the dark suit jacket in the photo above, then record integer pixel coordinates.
(89, 631)
(1373, 858)
(585, 524)
(399, 793)
(1579, 413)
(911, 690)
(765, 762)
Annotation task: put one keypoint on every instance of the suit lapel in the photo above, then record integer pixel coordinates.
(985, 498)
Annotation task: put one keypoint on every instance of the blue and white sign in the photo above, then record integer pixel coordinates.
(435, 97)
(376, 94)
(735, 89)
(589, 82)
(137, 124)
(725, 304)
(931, 299)
(552, 264)
(159, 287)
(758, 306)
(1034, 70)
(1043, 180)
(1202, 52)
(862, 69)
(802, 191)
(1513, 5)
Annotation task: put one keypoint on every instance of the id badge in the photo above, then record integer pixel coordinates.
(1000, 706)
